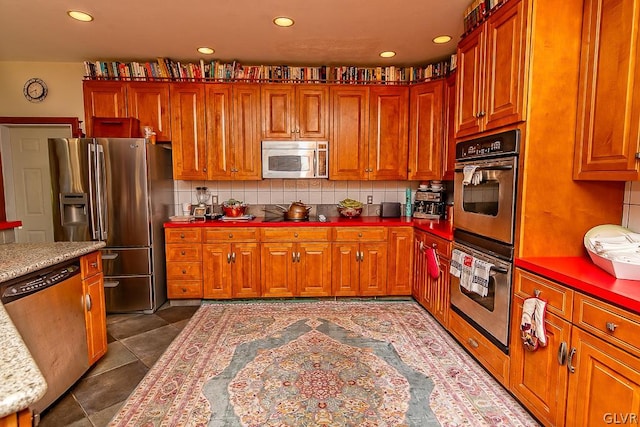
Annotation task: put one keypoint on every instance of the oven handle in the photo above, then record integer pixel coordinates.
(499, 269)
(489, 168)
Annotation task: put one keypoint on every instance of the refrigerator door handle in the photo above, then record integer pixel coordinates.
(101, 190)
(92, 190)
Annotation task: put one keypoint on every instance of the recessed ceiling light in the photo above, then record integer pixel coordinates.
(442, 39)
(388, 54)
(206, 50)
(283, 21)
(80, 16)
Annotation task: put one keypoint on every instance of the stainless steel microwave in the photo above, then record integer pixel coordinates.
(295, 159)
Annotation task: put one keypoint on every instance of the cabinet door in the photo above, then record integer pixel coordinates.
(189, 145)
(605, 386)
(538, 378)
(345, 269)
(149, 103)
(277, 266)
(216, 270)
(425, 131)
(95, 317)
(245, 278)
(313, 269)
(278, 114)
(419, 267)
(218, 125)
(349, 132)
(246, 132)
(506, 55)
(449, 128)
(470, 76)
(103, 99)
(373, 268)
(441, 295)
(608, 128)
(388, 133)
(400, 273)
(312, 112)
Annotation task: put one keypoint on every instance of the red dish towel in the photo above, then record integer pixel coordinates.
(433, 267)
(532, 330)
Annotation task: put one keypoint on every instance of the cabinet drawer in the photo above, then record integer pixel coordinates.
(295, 234)
(442, 246)
(184, 270)
(494, 360)
(180, 235)
(184, 252)
(559, 299)
(90, 264)
(360, 234)
(615, 325)
(231, 234)
(177, 289)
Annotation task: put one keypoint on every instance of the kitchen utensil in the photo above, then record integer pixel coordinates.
(297, 211)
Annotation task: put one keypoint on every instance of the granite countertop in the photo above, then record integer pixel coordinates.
(21, 382)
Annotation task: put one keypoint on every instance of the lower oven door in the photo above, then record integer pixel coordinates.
(488, 314)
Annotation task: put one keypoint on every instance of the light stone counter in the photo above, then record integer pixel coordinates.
(21, 382)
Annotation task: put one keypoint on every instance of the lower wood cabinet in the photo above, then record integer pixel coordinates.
(400, 265)
(23, 418)
(589, 372)
(94, 305)
(184, 262)
(231, 270)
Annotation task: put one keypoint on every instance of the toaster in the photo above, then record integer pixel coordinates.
(390, 210)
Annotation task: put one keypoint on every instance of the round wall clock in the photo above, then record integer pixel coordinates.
(35, 90)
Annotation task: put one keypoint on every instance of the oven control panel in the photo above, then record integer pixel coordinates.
(504, 143)
(30, 284)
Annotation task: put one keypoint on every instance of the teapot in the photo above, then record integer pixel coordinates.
(296, 211)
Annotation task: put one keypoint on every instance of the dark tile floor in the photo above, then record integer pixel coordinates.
(135, 342)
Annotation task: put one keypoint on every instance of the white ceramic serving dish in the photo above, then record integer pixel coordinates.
(619, 269)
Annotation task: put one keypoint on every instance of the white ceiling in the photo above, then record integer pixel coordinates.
(326, 32)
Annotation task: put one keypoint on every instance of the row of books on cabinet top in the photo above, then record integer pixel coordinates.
(476, 11)
(167, 69)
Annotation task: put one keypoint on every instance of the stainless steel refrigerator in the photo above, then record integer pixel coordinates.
(120, 191)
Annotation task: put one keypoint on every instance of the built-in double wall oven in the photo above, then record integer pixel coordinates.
(485, 184)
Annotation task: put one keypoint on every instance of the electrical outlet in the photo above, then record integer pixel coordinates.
(214, 199)
(369, 200)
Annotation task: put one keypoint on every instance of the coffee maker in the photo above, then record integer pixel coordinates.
(428, 204)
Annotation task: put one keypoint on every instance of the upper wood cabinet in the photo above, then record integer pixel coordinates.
(218, 107)
(491, 72)
(608, 128)
(189, 144)
(103, 99)
(449, 131)
(245, 132)
(425, 131)
(388, 132)
(149, 103)
(295, 112)
(349, 132)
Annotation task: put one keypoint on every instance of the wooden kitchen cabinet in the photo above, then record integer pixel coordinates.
(492, 72)
(231, 263)
(103, 99)
(94, 305)
(23, 418)
(296, 261)
(426, 130)
(359, 261)
(349, 132)
(449, 128)
(184, 262)
(245, 132)
(149, 103)
(189, 144)
(608, 127)
(292, 112)
(388, 133)
(400, 266)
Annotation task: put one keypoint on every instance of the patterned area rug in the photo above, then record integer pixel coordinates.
(317, 364)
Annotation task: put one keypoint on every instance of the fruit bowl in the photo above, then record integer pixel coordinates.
(233, 208)
(349, 212)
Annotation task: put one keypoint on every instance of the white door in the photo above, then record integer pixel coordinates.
(27, 181)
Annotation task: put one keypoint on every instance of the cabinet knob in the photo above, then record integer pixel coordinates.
(94, 265)
(231, 235)
(184, 271)
(295, 234)
(182, 235)
(473, 343)
(481, 114)
(204, 169)
(434, 245)
(359, 234)
(182, 253)
(611, 327)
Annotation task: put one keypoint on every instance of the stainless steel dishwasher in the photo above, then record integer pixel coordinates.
(47, 309)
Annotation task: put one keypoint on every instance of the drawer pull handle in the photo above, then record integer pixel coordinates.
(421, 246)
(183, 253)
(182, 235)
(87, 302)
(233, 257)
(184, 290)
(109, 256)
(229, 258)
(434, 245)
(111, 283)
(572, 369)
(295, 234)
(611, 327)
(562, 353)
(536, 292)
(293, 257)
(231, 235)
(473, 343)
(298, 257)
(184, 271)
(359, 234)
(94, 265)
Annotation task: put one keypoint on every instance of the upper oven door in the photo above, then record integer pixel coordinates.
(484, 204)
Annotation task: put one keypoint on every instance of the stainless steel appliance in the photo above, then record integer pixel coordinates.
(295, 159)
(485, 180)
(47, 309)
(118, 190)
(428, 204)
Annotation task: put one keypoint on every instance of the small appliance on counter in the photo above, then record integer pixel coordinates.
(429, 204)
(202, 209)
(390, 209)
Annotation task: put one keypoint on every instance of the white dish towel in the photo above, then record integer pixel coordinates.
(468, 173)
(480, 277)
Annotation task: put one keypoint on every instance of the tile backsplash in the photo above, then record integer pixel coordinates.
(285, 191)
(631, 207)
